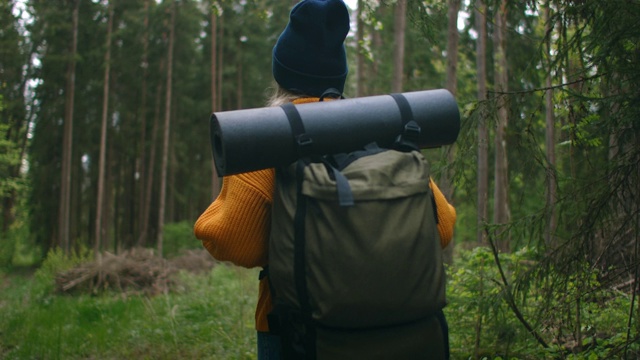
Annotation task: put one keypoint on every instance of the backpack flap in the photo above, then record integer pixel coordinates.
(377, 263)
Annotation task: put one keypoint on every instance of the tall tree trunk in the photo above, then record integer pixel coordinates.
(167, 125)
(142, 170)
(64, 214)
(360, 50)
(220, 58)
(501, 190)
(446, 183)
(550, 139)
(110, 210)
(483, 131)
(400, 23)
(239, 76)
(452, 83)
(103, 136)
(215, 179)
(146, 209)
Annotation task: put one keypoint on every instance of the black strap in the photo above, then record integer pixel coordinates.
(435, 208)
(302, 140)
(345, 195)
(342, 160)
(444, 326)
(408, 139)
(263, 273)
(299, 266)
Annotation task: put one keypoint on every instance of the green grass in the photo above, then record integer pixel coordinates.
(209, 317)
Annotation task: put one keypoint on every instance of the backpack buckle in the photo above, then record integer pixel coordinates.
(412, 131)
(304, 140)
(409, 138)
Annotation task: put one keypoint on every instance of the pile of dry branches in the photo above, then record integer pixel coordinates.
(133, 271)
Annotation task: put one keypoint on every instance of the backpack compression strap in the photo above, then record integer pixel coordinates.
(408, 139)
(302, 140)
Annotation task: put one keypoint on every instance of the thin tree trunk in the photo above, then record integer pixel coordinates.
(167, 125)
(400, 21)
(452, 83)
(103, 137)
(374, 72)
(483, 131)
(239, 75)
(360, 50)
(501, 190)
(220, 58)
(142, 170)
(215, 179)
(446, 183)
(108, 211)
(550, 138)
(146, 209)
(64, 214)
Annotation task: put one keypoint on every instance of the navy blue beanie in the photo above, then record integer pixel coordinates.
(310, 56)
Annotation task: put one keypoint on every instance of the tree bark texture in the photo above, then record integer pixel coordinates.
(550, 137)
(103, 136)
(142, 142)
(446, 182)
(167, 126)
(215, 179)
(483, 131)
(400, 23)
(360, 50)
(501, 189)
(64, 214)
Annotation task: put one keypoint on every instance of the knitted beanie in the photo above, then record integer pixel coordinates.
(309, 56)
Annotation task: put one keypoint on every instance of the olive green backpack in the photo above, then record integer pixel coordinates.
(355, 264)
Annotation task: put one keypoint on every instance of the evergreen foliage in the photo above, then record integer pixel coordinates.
(585, 55)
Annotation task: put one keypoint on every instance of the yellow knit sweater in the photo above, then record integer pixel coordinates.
(235, 227)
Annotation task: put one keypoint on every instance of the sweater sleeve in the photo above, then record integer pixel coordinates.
(446, 215)
(235, 227)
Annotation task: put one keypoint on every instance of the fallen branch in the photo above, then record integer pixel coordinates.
(509, 296)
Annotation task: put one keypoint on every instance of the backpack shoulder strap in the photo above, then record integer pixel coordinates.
(299, 263)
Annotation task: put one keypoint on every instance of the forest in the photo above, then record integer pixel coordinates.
(105, 150)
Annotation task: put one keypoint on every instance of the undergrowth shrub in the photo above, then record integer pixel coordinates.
(55, 262)
(573, 315)
(179, 237)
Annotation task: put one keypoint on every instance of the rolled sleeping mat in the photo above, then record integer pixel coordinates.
(261, 138)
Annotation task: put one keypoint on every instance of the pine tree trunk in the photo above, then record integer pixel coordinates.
(64, 214)
(103, 137)
(360, 50)
(445, 182)
(146, 209)
(220, 58)
(167, 125)
(239, 76)
(452, 84)
(483, 131)
(501, 190)
(400, 23)
(550, 141)
(215, 179)
(142, 142)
